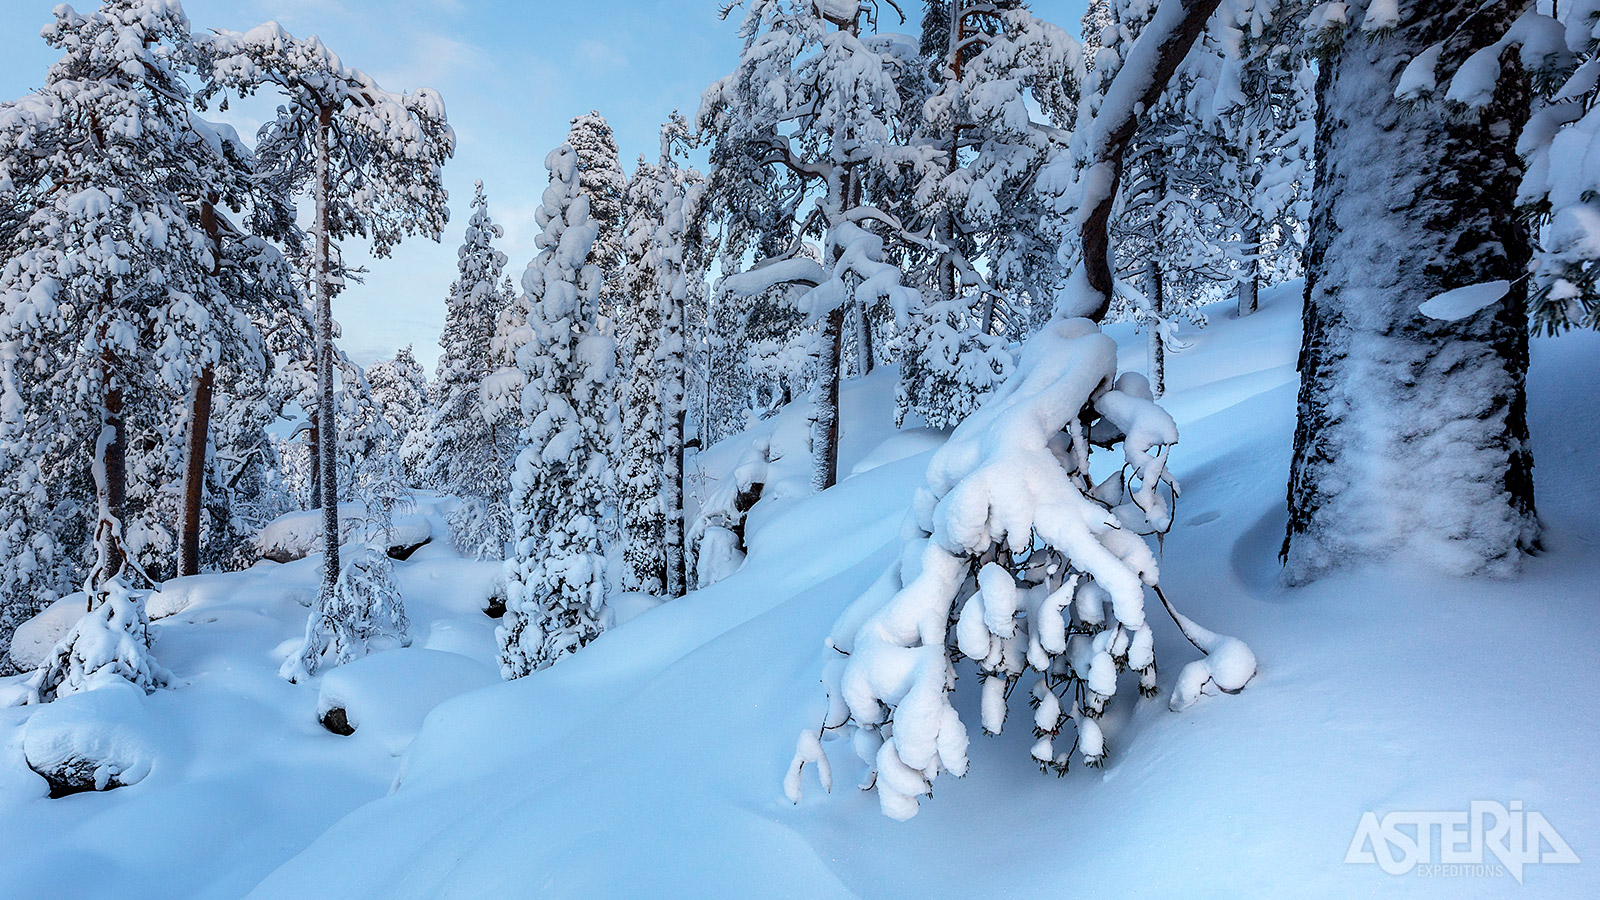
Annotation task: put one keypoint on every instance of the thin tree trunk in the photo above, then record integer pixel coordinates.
(194, 470)
(112, 485)
(1412, 437)
(1158, 349)
(1110, 138)
(329, 486)
(986, 317)
(313, 444)
(194, 467)
(825, 422)
(1250, 286)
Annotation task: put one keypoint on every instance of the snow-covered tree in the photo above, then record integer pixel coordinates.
(400, 391)
(365, 615)
(370, 158)
(979, 152)
(1012, 543)
(469, 447)
(1412, 437)
(556, 576)
(811, 104)
(664, 277)
(601, 179)
(111, 301)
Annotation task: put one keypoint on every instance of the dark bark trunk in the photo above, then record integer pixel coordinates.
(1116, 134)
(326, 420)
(1250, 286)
(194, 471)
(825, 433)
(312, 443)
(1158, 306)
(194, 475)
(114, 486)
(1412, 438)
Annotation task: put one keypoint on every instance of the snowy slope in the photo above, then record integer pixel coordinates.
(650, 764)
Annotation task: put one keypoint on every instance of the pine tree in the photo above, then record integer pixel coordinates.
(562, 477)
(111, 284)
(1412, 436)
(812, 103)
(371, 159)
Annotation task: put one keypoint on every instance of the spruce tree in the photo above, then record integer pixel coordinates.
(556, 576)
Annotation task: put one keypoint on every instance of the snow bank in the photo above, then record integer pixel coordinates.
(33, 640)
(96, 739)
(385, 696)
(295, 535)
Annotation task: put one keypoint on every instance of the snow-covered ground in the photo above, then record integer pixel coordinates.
(651, 763)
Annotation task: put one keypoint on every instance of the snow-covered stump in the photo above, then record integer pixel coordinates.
(1016, 561)
(1412, 441)
(362, 613)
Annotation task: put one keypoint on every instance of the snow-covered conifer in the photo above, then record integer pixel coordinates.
(562, 476)
(470, 445)
(400, 390)
(601, 179)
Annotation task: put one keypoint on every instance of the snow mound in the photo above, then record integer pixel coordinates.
(386, 696)
(178, 594)
(95, 739)
(628, 605)
(295, 535)
(33, 640)
(904, 445)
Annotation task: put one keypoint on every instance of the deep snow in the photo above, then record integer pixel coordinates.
(651, 763)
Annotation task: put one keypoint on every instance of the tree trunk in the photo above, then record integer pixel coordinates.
(1412, 438)
(329, 481)
(111, 484)
(675, 416)
(194, 470)
(1158, 349)
(825, 420)
(1111, 135)
(194, 463)
(313, 445)
(863, 361)
(1250, 285)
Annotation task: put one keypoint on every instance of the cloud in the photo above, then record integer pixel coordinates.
(599, 55)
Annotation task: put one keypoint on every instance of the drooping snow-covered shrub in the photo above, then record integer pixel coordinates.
(363, 612)
(1017, 562)
(113, 638)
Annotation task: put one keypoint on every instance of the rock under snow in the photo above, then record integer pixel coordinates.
(92, 740)
(386, 696)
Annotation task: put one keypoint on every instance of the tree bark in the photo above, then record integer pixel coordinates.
(1412, 437)
(313, 444)
(1250, 286)
(825, 424)
(328, 488)
(1111, 137)
(1157, 349)
(194, 470)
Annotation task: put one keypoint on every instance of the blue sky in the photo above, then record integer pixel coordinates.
(512, 75)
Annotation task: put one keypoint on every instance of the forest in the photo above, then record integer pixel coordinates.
(1149, 401)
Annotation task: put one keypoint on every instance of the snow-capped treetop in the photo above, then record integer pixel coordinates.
(387, 181)
(600, 177)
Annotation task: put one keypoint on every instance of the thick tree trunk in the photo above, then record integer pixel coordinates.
(194, 470)
(825, 420)
(863, 362)
(313, 445)
(1412, 439)
(328, 486)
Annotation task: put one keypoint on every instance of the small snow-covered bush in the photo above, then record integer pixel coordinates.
(1018, 562)
(480, 528)
(113, 638)
(364, 612)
